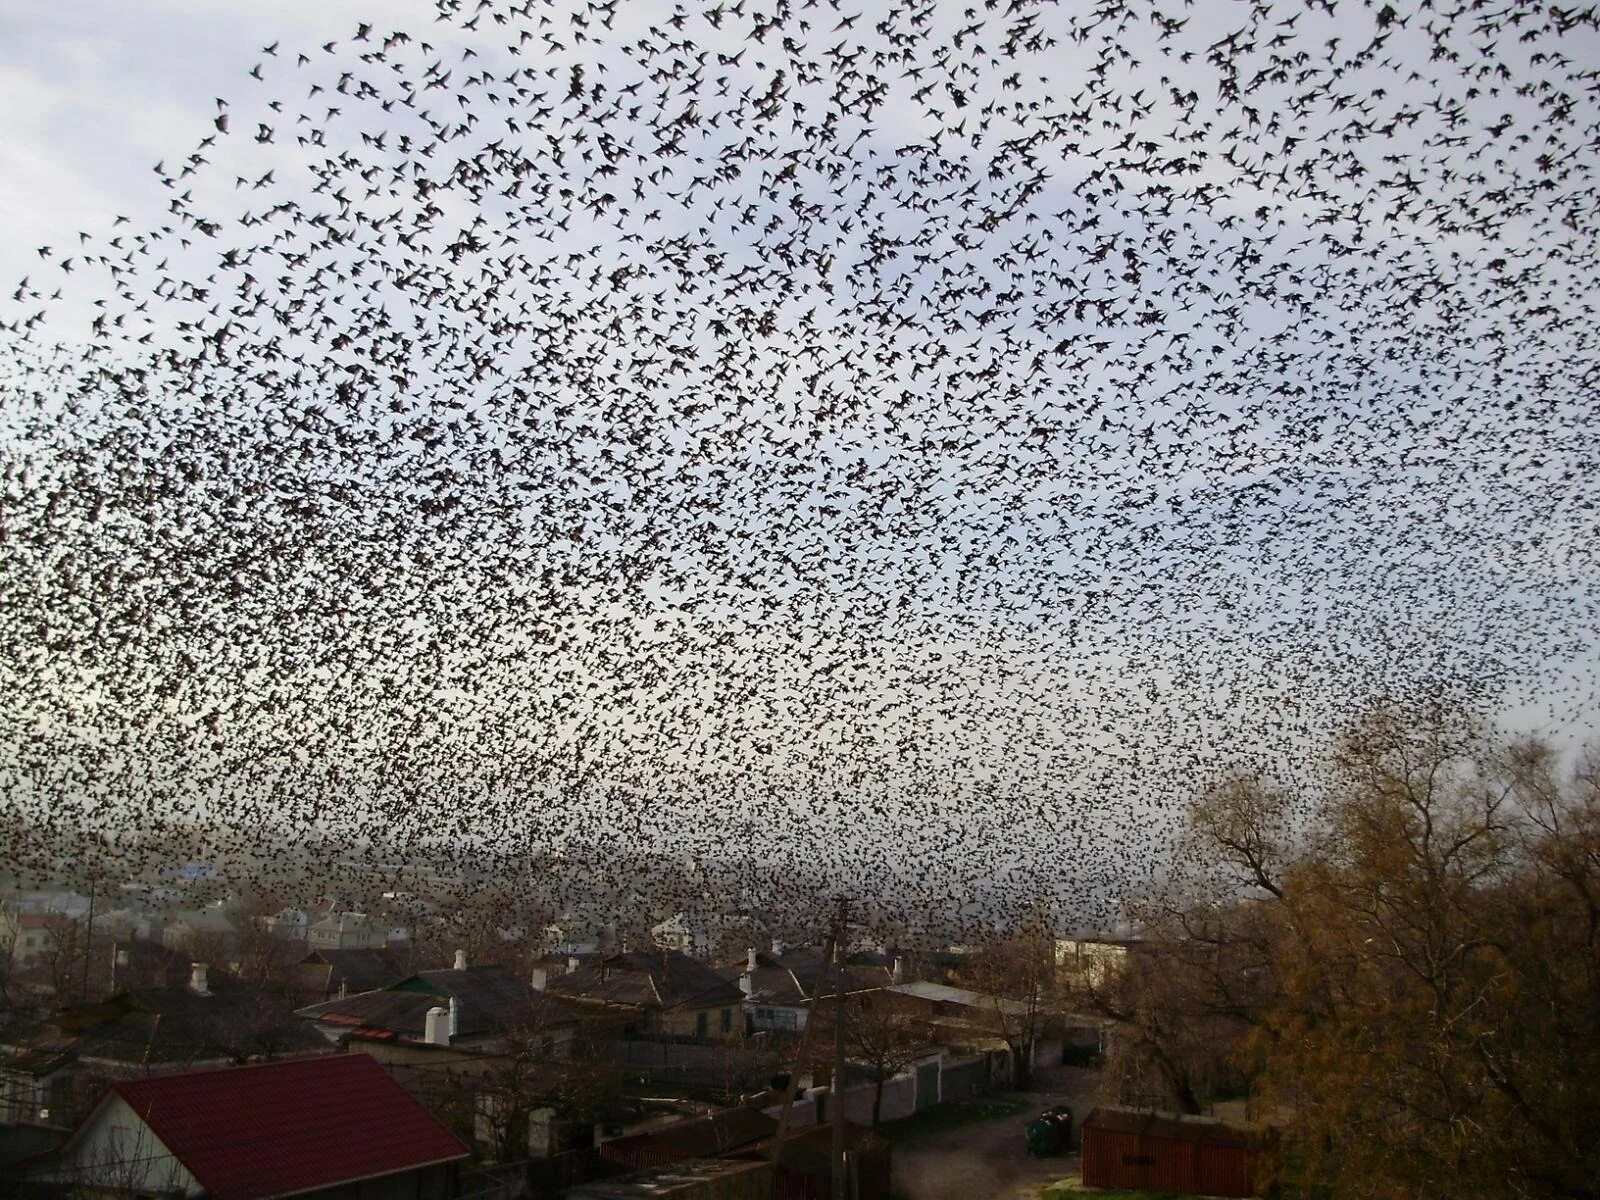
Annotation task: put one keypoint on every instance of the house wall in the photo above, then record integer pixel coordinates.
(117, 1150)
(685, 1022)
(785, 1018)
(429, 1183)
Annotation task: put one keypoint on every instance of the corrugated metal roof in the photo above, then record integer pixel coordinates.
(285, 1127)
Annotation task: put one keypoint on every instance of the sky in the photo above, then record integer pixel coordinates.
(1020, 438)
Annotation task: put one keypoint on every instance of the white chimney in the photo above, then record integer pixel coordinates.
(461, 960)
(436, 1028)
(898, 973)
(777, 947)
(750, 963)
(455, 1017)
(197, 979)
(747, 983)
(572, 965)
(540, 978)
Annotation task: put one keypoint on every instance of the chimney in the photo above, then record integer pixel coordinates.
(898, 973)
(436, 1028)
(540, 978)
(461, 960)
(750, 963)
(455, 1017)
(197, 979)
(747, 983)
(572, 964)
(777, 947)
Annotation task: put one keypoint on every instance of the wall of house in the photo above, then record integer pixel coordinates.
(787, 1018)
(685, 1022)
(116, 1149)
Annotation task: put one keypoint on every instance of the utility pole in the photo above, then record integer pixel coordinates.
(88, 940)
(841, 1178)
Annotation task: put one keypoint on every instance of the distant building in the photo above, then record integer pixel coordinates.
(347, 931)
(1090, 962)
(704, 933)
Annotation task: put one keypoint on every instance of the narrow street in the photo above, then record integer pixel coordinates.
(988, 1160)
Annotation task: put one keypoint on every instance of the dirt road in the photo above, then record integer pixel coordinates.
(988, 1160)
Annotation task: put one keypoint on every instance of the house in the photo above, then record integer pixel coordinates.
(464, 1007)
(34, 936)
(580, 933)
(326, 974)
(779, 985)
(50, 1069)
(656, 993)
(347, 931)
(290, 924)
(962, 1017)
(1172, 1152)
(1090, 962)
(704, 932)
(202, 930)
(318, 1129)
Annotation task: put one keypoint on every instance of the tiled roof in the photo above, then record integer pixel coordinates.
(285, 1127)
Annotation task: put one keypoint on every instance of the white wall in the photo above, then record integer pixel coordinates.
(116, 1149)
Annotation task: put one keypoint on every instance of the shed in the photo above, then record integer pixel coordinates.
(1172, 1152)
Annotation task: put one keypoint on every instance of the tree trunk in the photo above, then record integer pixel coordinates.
(1022, 1067)
(877, 1101)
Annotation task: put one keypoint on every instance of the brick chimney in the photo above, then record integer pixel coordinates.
(197, 979)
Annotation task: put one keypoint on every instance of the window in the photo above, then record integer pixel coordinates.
(702, 1024)
(727, 1020)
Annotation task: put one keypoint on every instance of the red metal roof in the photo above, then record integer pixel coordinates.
(277, 1128)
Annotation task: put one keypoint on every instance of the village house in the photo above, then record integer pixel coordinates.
(32, 937)
(328, 1128)
(463, 1008)
(779, 985)
(208, 929)
(50, 1068)
(703, 933)
(347, 931)
(327, 974)
(657, 993)
(1090, 962)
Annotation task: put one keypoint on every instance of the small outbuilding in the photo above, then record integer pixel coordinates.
(1173, 1152)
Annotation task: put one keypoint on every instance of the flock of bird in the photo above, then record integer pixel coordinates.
(921, 442)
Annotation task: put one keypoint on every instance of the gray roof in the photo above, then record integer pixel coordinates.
(654, 979)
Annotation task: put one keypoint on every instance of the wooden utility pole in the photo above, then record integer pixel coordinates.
(841, 1178)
